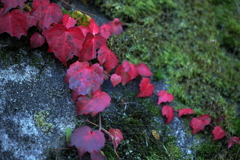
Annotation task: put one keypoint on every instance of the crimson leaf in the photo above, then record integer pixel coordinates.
(105, 30)
(116, 138)
(68, 21)
(143, 69)
(115, 79)
(232, 141)
(168, 111)
(164, 96)
(218, 133)
(94, 105)
(86, 140)
(116, 26)
(36, 40)
(146, 88)
(184, 112)
(9, 4)
(199, 123)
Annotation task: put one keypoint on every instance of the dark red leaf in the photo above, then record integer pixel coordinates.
(164, 96)
(63, 42)
(93, 27)
(219, 119)
(98, 102)
(97, 155)
(168, 111)
(218, 133)
(105, 30)
(146, 88)
(68, 21)
(86, 140)
(143, 70)
(115, 79)
(232, 141)
(199, 123)
(32, 21)
(90, 45)
(116, 138)
(116, 26)
(15, 23)
(84, 29)
(9, 4)
(46, 13)
(36, 40)
(84, 79)
(184, 112)
(107, 58)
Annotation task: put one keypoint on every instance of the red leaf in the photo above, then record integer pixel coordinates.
(219, 119)
(199, 123)
(15, 23)
(46, 13)
(164, 96)
(94, 105)
(68, 21)
(184, 112)
(86, 140)
(84, 79)
(232, 141)
(84, 30)
(116, 26)
(36, 40)
(143, 70)
(93, 27)
(107, 58)
(105, 30)
(116, 138)
(9, 4)
(115, 79)
(63, 42)
(127, 72)
(146, 88)
(218, 133)
(168, 111)
(90, 45)
(32, 21)
(97, 156)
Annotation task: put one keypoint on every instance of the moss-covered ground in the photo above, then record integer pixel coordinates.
(193, 45)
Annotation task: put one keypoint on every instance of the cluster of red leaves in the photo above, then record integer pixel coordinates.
(67, 40)
(197, 124)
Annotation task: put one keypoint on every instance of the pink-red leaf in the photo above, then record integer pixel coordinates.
(84, 30)
(116, 25)
(84, 79)
(146, 88)
(68, 21)
(90, 45)
(164, 96)
(86, 140)
(15, 23)
(9, 4)
(143, 70)
(232, 141)
(115, 79)
(184, 112)
(218, 133)
(168, 111)
(94, 105)
(199, 123)
(63, 42)
(97, 156)
(107, 58)
(93, 27)
(36, 40)
(46, 13)
(105, 30)
(116, 138)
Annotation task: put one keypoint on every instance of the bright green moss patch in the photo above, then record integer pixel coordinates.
(40, 120)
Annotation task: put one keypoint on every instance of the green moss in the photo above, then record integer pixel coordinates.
(40, 120)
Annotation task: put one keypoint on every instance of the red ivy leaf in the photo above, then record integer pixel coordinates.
(97, 156)
(15, 23)
(233, 141)
(94, 105)
(115, 79)
(117, 137)
(199, 123)
(143, 70)
(36, 40)
(63, 42)
(68, 21)
(84, 79)
(107, 58)
(105, 30)
(46, 13)
(164, 96)
(219, 119)
(86, 140)
(168, 111)
(146, 88)
(9, 4)
(93, 27)
(90, 45)
(116, 26)
(84, 30)
(184, 112)
(218, 133)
